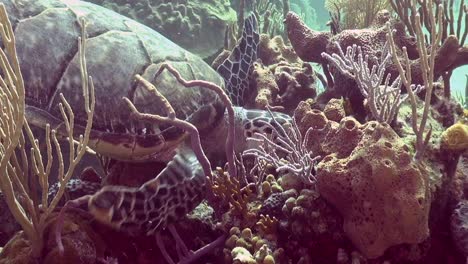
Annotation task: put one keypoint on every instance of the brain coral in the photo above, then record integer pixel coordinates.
(455, 138)
(382, 195)
(367, 173)
(196, 25)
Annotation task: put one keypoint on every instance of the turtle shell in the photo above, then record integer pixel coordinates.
(117, 49)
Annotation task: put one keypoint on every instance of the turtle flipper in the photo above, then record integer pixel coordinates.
(236, 68)
(166, 198)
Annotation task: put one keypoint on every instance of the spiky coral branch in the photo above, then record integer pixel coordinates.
(13, 173)
(230, 142)
(67, 114)
(12, 95)
(385, 100)
(407, 10)
(298, 159)
(172, 120)
(427, 60)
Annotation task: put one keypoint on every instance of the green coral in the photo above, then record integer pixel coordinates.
(196, 25)
(220, 9)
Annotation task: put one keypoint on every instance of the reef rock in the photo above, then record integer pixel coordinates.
(459, 226)
(280, 77)
(267, 89)
(273, 50)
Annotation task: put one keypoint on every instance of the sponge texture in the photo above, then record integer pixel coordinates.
(368, 174)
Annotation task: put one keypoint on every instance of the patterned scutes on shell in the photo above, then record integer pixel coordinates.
(117, 48)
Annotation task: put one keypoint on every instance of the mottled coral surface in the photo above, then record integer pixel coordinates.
(368, 174)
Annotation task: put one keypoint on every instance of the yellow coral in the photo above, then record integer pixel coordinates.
(243, 208)
(242, 256)
(381, 194)
(269, 259)
(267, 225)
(455, 138)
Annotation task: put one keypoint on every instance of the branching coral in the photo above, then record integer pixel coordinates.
(407, 10)
(384, 100)
(13, 169)
(428, 60)
(229, 190)
(309, 43)
(268, 225)
(298, 160)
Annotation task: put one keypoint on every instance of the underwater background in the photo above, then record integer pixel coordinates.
(234, 131)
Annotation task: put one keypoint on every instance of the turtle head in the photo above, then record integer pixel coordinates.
(251, 121)
(247, 122)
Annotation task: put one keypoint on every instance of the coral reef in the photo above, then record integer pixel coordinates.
(280, 77)
(195, 25)
(82, 244)
(310, 228)
(267, 88)
(309, 43)
(272, 50)
(318, 183)
(382, 100)
(334, 110)
(244, 247)
(228, 189)
(296, 81)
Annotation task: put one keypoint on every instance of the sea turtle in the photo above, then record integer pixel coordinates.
(117, 49)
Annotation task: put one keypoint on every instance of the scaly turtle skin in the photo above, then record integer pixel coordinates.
(117, 49)
(237, 67)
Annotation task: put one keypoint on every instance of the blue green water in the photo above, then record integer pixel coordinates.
(319, 17)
